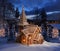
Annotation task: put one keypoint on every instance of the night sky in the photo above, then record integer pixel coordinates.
(50, 5)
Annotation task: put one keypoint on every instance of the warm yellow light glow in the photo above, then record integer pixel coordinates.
(24, 40)
(2, 32)
(29, 37)
(55, 32)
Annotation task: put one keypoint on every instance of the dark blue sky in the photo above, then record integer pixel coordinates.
(29, 4)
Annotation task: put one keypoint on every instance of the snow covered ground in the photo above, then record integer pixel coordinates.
(46, 46)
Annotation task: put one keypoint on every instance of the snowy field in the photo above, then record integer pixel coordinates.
(46, 46)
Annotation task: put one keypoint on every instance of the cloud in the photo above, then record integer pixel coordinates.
(33, 3)
(29, 4)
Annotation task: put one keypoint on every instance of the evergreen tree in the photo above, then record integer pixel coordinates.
(43, 16)
(44, 23)
(10, 6)
(7, 10)
(37, 17)
(36, 10)
(17, 13)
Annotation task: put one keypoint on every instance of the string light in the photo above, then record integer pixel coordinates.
(24, 40)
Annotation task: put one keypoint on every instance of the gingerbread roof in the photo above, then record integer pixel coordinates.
(30, 29)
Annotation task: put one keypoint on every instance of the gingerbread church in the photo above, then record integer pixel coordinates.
(28, 33)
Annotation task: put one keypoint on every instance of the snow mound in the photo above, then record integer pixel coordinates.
(46, 44)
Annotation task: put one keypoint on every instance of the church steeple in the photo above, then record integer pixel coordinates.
(23, 20)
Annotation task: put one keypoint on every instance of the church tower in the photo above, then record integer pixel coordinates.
(23, 20)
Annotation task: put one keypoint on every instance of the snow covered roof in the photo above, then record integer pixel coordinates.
(29, 30)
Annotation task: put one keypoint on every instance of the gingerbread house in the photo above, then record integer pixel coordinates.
(28, 33)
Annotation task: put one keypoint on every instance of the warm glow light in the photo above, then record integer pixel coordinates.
(29, 37)
(24, 40)
(2, 32)
(55, 32)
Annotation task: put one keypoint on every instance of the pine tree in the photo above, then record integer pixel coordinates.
(36, 12)
(43, 16)
(17, 13)
(44, 22)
